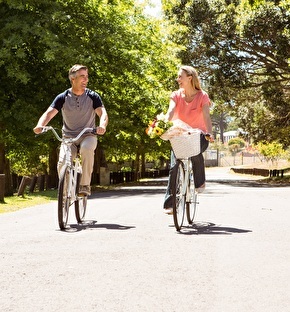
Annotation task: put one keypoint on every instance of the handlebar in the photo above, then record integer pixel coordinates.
(47, 128)
(207, 136)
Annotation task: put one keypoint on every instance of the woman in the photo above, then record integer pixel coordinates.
(191, 105)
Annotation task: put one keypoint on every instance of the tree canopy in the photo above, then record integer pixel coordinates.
(242, 49)
(129, 64)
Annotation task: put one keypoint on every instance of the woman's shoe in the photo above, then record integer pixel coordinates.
(200, 189)
(168, 211)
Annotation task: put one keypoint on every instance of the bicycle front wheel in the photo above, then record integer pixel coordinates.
(80, 208)
(191, 203)
(178, 177)
(80, 203)
(63, 197)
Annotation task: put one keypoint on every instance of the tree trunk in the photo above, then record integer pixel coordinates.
(2, 158)
(5, 168)
(52, 167)
(221, 126)
(137, 166)
(142, 164)
(100, 161)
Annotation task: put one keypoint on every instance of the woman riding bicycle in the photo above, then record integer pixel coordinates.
(190, 104)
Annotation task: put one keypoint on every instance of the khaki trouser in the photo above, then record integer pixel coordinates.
(87, 144)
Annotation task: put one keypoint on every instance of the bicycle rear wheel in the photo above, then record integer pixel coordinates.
(178, 176)
(63, 197)
(191, 203)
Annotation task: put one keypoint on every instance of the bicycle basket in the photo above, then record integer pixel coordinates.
(186, 145)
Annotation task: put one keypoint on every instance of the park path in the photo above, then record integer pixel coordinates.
(128, 256)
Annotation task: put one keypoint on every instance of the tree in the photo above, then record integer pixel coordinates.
(271, 151)
(126, 52)
(229, 44)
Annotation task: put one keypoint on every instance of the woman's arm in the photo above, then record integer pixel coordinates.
(170, 111)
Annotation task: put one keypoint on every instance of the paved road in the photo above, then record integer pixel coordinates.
(128, 257)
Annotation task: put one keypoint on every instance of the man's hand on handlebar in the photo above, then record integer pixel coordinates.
(100, 130)
(37, 130)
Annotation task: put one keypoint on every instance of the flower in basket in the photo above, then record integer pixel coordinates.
(158, 126)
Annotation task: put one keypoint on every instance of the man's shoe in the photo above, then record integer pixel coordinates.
(85, 190)
(168, 211)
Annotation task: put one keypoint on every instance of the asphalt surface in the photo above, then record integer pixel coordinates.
(128, 256)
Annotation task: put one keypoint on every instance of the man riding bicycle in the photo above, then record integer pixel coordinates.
(79, 107)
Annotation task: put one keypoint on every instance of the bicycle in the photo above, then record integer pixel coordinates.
(69, 180)
(182, 186)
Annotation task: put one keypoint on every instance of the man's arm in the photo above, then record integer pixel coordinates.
(102, 113)
(45, 119)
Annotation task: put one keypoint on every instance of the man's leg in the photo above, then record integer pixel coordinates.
(87, 149)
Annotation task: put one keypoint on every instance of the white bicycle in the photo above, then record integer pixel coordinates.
(69, 180)
(182, 187)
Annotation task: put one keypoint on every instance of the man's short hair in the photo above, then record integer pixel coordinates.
(72, 72)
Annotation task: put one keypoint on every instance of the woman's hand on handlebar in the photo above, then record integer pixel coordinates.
(209, 137)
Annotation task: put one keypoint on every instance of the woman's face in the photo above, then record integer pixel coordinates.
(183, 79)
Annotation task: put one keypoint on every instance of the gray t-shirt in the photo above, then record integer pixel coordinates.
(78, 111)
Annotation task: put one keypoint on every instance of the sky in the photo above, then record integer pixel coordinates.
(154, 9)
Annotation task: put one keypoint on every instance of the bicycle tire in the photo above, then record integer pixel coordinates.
(191, 204)
(80, 208)
(63, 197)
(178, 176)
(80, 203)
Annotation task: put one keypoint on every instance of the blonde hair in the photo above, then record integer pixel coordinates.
(190, 71)
(72, 72)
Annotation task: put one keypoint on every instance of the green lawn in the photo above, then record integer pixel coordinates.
(13, 203)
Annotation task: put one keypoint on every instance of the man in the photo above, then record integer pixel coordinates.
(79, 107)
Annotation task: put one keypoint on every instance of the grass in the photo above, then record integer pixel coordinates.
(14, 203)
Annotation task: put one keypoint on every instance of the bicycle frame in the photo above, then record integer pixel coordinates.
(75, 167)
(68, 183)
(185, 187)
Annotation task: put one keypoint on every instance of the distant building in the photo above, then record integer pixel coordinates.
(230, 135)
(233, 134)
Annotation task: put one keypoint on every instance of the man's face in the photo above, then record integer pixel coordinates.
(81, 79)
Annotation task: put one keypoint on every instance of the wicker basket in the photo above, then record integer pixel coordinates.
(186, 145)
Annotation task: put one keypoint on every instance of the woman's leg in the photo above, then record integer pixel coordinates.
(198, 164)
(168, 196)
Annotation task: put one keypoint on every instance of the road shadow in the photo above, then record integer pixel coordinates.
(208, 228)
(92, 224)
(130, 191)
(248, 183)
(158, 186)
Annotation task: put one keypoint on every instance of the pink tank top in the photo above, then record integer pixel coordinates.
(191, 112)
